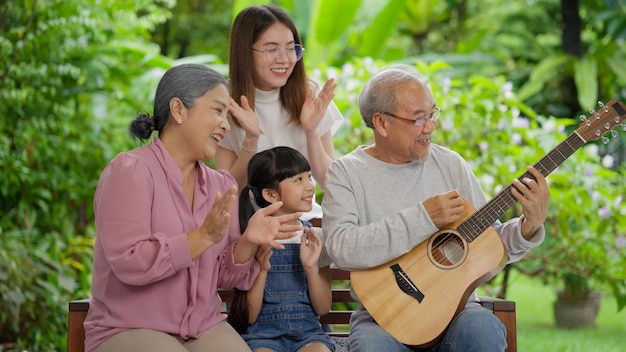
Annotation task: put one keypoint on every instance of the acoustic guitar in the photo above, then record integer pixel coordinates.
(416, 296)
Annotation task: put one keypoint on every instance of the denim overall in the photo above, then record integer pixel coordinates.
(287, 321)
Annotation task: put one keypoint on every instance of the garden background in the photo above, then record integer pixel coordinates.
(512, 77)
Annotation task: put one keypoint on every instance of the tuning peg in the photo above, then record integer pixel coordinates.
(584, 119)
(602, 106)
(592, 111)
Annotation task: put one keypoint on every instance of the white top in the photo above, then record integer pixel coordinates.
(275, 126)
(278, 131)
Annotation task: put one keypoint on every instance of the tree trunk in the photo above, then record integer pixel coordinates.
(571, 25)
(571, 44)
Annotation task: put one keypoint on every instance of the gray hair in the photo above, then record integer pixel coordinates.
(379, 94)
(188, 82)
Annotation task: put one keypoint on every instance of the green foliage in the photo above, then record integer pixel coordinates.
(528, 40)
(350, 79)
(66, 66)
(192, 27)
(587, 230)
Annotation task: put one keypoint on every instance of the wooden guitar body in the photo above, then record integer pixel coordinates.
(440, 273)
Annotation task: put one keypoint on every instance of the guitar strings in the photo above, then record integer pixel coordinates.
(476, 224)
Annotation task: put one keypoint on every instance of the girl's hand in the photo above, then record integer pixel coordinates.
(310, 249)
(263, 257)
(245, 116)
(313, 109)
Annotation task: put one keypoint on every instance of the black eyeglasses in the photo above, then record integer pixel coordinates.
(292, 52)
(420, 121)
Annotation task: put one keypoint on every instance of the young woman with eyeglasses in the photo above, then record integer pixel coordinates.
(277, 104)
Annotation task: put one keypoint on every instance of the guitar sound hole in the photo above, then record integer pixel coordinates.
(448, 249)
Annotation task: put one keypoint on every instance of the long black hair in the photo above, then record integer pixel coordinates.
(265, 170)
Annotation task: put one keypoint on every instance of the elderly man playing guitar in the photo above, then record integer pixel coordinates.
(393, 213)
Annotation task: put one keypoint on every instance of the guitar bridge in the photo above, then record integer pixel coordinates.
(405, 284)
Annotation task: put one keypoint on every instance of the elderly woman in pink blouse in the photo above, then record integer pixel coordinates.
(167, 228)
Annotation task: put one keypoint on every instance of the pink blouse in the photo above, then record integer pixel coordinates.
(143, 275)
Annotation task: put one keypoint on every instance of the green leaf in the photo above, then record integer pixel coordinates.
(544, 72)
(329, 22)
(239, 5)
(616, 63)
(331, 18)
(586, 79)
(381, 29)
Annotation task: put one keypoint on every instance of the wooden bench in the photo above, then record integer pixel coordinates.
(338, 318)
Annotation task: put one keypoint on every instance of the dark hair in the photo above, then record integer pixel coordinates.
(188, 82)
(238, 312)
(248, 26)
(266, 169)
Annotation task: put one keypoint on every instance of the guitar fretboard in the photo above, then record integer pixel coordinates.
(484, 217)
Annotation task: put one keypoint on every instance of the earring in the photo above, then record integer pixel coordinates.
(180, 121)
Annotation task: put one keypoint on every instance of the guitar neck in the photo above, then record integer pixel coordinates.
(600, 122)
(484, 217)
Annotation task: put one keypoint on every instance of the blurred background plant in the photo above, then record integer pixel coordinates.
(74, 73)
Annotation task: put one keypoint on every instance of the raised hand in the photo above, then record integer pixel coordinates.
(215, 225)
(310, 249)
(245, 116)
(314, 108)
(263, 255)
(264, 229)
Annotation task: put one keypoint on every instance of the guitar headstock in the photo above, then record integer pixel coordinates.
(603, 120)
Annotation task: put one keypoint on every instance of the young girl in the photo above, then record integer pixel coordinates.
(267, 76)
(281, 311)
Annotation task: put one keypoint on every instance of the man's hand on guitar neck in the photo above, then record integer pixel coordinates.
(445, 208)
(534, 196)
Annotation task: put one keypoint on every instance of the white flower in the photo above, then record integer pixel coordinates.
(515, 112)
(507, 89)
(604, 212)
(549, 126)
(607, 161)
(518, 121)
(592, 149)
(618, 201)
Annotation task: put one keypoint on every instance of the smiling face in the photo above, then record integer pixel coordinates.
(205, 124)
(398, 140)
(413, 101)
(272, 75)
(295, 192)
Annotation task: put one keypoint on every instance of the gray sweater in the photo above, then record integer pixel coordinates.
(373, 210)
